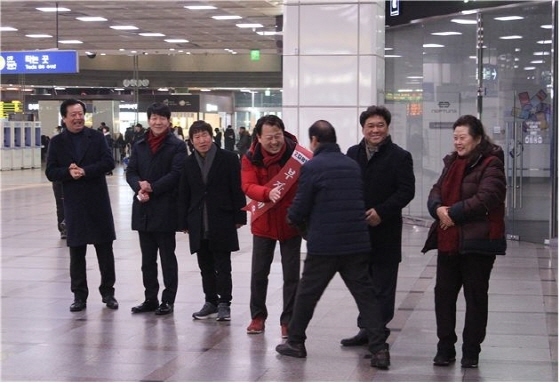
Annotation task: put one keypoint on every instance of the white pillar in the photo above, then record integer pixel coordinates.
(333, 64)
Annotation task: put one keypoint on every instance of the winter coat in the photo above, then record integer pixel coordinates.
(479, 214)
(162, 170)
(87, 207)
(329, 201)
(254, 176)
(223, 197)
(389, 186)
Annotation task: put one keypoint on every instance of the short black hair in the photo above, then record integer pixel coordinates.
(323, 131)
(375, 110)
(159, 109)
(269, 119)
(71, 101)
(199, 126)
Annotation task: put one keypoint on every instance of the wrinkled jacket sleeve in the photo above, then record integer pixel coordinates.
(250, 182)
(301, 207)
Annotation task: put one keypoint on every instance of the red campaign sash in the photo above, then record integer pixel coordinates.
(287, 177)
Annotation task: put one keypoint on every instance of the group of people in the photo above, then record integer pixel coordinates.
(347, 207)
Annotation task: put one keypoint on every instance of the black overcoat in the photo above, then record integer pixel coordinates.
(389, 186)
(162, 170)
(223, 197)
(87, 207)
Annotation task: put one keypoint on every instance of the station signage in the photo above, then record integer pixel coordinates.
(38, 62)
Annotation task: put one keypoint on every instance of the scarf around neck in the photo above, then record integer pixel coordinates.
(155, 141)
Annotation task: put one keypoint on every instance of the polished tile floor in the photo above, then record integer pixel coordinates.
(43, 341)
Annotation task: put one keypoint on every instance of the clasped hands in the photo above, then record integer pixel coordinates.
(143, 194)
(445, 222)
(75, 171)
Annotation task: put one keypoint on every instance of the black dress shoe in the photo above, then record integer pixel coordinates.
(381, 359)
(467, 362)
(111, 302)
(444, 357)
(164, 309)
(78, 305)
(145, 307)
(359, 339)
(296, 350)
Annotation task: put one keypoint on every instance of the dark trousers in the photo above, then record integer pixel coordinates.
(78, 275)
(59, 199)
(215, 269)
(263, 254)
(150, 243)
(472, 272)
(318, 270)
(384, 279)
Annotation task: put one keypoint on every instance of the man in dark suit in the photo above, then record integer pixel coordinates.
(210, 202)
(229, 139)
(79, 158)
(389, 184)
(153, 174)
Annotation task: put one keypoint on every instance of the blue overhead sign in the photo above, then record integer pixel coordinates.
(38, 62)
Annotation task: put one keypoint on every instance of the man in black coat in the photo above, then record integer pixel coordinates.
(79, 158)
(210, 202)
(229, 139)
(389, 184)
(153, 174)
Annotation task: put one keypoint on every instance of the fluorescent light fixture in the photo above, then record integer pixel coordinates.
(163, 89)
(433, 46)
(404, 90)
(91, 18)
(415, 77)
(151, 34)
(53, 9)
(544, 42)
(541, 54)
(103, 54)
(529, 68)
(472, 57)
(546, 26)
(176, 40)
(59, 88)
(392, 56)
(249, 25)
(70, 42)
(205, 90)
(516, 59)
(268, 33)
(508, 18)
(469, 11)
(121, 49)
(123, 27)
(38, 36)
(226, 17)
(463, 21)
(511, 37)
(517, 49)
(133, 51)
(7, 29)
(171, 49)
(199, 7)
(119, 88)
(388, 49)
(446, 33)
(537, 62)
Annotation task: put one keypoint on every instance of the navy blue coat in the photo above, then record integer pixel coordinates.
(329, 201)
(87, 207)
(389, 186)
(224, 200)
(162, 170)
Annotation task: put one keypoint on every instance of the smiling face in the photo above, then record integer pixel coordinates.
(271, 138)
(158, 124)
(463, 141)
(375, 130)
(74, 119)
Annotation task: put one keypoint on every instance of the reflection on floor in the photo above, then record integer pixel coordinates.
(43, 341)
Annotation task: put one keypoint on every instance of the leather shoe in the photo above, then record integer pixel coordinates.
(111, 302)
(78, 305)
(444, 357)
(296, 350)
(381, 359)
(145, 307)
(164, 309)
(359, 339)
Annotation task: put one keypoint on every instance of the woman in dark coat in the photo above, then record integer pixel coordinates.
(468, 203)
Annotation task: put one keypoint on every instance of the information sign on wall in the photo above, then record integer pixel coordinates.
(38, 62)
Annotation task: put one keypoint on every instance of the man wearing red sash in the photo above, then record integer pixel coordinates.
(269, 173)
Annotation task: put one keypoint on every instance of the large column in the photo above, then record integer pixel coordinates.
(333, 64)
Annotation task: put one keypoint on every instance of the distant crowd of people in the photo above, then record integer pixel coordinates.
(347, 207)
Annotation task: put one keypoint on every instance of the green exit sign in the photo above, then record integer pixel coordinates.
(255, 54)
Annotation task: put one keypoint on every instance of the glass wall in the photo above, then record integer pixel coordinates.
(496, 64)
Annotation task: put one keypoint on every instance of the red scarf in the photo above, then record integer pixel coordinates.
(272, 161)
(448, 240)
(155, 141)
